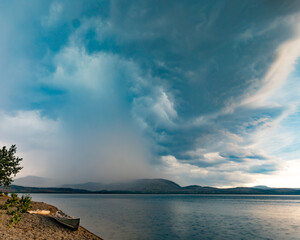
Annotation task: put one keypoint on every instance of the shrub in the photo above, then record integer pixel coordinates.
(13, 201)
(15, 206)
(25, 204)
(15, 218)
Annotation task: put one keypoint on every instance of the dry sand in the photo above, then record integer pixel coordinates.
(34, 226)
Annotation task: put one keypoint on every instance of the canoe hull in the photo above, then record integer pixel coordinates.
(72, 223)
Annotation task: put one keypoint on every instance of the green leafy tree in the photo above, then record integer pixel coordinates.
(9, 165)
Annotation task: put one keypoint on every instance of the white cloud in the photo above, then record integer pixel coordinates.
(155, 109)
(37, 139)
(54, 16)
(288, 176)
(281, 68)
(77, 69)
(164, 109)
(225, 175)
(28, 127)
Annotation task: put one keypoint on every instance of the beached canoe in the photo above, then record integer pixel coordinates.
(66, 220)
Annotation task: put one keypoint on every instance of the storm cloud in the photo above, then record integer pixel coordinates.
(201, 92)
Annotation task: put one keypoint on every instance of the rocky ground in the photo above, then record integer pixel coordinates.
(34, 226)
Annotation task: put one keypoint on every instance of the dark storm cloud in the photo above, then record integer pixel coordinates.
(181, 84)
(207, 56)
(207, 53)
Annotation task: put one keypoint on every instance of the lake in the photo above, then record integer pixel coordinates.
(188, 217)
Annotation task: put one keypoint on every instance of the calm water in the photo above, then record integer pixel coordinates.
(164, 217)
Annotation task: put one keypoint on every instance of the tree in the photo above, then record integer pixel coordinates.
(9, 165)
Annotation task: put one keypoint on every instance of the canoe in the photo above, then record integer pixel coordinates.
(66, 220)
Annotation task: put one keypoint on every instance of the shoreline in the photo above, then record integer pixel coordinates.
(33, 226)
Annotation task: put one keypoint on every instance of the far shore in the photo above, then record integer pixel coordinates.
(198, 190)
(33, 226)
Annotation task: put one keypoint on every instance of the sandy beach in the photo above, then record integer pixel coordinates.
(34, 226)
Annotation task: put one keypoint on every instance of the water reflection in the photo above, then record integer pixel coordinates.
(190, 217)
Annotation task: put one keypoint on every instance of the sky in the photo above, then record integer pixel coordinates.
(198, 92)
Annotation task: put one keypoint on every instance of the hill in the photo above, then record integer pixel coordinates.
(139, 185)
(152, 186)
(34, 181)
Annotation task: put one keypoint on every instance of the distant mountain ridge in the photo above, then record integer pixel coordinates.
(21, 189)
(261, 187)
(139, 185)
(34, 181)
(152, 186)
